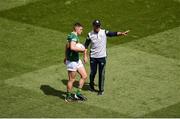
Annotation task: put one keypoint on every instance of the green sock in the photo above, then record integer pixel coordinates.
(68, 94)
(78, 92)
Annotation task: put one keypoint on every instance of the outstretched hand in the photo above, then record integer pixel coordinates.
(123, 33)
(126, 32)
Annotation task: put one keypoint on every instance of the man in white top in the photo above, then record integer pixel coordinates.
(97, 38)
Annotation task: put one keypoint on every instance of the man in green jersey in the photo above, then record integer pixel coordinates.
(74, 64)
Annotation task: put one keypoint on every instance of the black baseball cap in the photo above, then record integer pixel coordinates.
(96, 23)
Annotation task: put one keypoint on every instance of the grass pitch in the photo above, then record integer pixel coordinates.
(142, 73)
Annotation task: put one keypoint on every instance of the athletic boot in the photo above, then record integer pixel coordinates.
(80, 97)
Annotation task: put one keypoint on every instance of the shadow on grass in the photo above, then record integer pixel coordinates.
(48, 90)
(172, 111)
(76, 84)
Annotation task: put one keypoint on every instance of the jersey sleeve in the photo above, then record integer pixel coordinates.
(71, 38)
(87, 42)
(110, 33)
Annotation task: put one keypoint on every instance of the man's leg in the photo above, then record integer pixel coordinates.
(83, 74)
(102, 64)
(93, 66)
(71, 79)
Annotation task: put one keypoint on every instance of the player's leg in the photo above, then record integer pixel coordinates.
(102, 64)
(71, 68)
(83, 74)
(82, 71)
(71, 79)
(93, 67)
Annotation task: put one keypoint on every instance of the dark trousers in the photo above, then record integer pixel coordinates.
(99, 63)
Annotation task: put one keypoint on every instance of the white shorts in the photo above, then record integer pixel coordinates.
(73, 65)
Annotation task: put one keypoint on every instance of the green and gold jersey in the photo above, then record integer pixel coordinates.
(72, 55)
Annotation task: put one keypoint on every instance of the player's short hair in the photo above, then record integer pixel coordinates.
(77, 24)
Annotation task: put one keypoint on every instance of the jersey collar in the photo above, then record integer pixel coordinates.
(74, 33)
